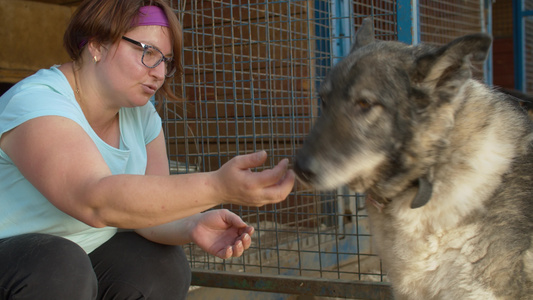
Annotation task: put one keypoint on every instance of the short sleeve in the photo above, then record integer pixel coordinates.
(36, 101)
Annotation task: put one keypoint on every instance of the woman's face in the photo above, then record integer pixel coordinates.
(121, 71)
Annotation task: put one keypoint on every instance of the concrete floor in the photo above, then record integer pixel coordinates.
(203, 293)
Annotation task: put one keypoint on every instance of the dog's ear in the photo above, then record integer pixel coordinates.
(365, 34)
(450, 64)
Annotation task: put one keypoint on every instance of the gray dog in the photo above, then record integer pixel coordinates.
(446, 163)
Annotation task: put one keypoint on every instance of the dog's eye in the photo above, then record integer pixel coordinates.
(323, 103)
(364, 104)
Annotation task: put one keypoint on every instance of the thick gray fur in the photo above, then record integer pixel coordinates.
(446, 162)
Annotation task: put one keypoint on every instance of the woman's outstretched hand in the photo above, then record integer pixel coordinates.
(238, 185)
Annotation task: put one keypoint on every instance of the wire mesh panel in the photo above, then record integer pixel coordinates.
(251, 74)
(443, 21)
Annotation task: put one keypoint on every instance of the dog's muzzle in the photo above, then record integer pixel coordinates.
(303, 171)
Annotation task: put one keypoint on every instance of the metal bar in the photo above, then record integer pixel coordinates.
(518, 45)
(342, 28)
(486, 25)
(408, 17)
(293, 285)
(527, 13)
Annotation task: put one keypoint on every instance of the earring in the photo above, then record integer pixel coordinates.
(95, 59)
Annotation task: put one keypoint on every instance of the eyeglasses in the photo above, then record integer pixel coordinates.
(152, 57)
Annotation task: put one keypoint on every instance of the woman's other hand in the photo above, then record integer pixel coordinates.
(221, 233)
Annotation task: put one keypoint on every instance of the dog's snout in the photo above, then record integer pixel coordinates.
(303, 171)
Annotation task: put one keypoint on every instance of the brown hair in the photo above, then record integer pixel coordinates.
(105, 21)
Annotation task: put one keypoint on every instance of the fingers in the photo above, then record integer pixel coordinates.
(233, 219)
(249, 230)
(252, 160)
(276, 192)
(281, 189)
(246, 241)
(237, 249)
(257, 188)
(225, 253)
(267, 177)
(273, 176)
(241, 244)
(277, 182)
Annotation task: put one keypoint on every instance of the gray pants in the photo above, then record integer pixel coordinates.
(40, 266)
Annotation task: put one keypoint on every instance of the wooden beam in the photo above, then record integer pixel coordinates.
(31, 34)
(60, 2)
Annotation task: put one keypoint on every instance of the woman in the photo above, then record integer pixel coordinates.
(82, 153)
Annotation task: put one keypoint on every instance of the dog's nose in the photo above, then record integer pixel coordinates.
(303, 171)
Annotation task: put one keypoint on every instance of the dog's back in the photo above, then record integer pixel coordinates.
(506, 228)
(446, 163)
(473, 237)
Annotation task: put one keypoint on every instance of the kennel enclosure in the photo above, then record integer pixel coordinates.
(252, 70)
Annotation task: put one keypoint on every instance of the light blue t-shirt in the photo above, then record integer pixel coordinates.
(47, 93)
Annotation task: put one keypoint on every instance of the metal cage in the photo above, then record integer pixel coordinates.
(251, 73)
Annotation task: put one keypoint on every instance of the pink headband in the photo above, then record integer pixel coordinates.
(151, 15)
(148, 15)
